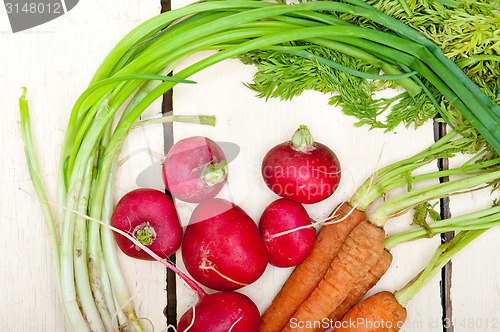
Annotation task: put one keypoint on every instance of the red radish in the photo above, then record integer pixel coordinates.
(150, 216)
(225, 311)
(222, 312)
(222, 246)
(301, 169)
(195, 169)
(290, 249)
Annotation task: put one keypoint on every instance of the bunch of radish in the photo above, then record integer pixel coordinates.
(301, 171)
(223, 249)
(195, 169)
(222, 311)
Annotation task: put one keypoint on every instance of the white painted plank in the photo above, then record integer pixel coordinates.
(55, 61)
(475, 290)
(256, 125)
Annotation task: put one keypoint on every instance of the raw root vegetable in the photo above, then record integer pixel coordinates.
(224, 311)
(222, 246)
(303, 307)
(132, 78)
(360, 251)
(150, 216)
(221, 312)
(301, 169)
(379, 312)
(311, 271)
(290, 249)
(157, 228)
(385, 311)
(195, 169)
(476, 220)
(365, 244)
(360, 290)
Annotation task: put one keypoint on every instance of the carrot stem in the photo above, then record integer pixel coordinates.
(443, 255)
(373, 187)
(486, 218)
(410, 199)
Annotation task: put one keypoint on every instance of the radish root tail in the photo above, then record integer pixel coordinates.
(328, 221)
(231, 328)
(203, 266)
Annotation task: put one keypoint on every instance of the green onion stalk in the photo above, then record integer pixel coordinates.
(140, 69)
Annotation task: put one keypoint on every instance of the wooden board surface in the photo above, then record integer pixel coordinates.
(475, 289)
(255, 126)
(56, 60)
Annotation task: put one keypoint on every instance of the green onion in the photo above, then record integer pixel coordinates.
(140, 69)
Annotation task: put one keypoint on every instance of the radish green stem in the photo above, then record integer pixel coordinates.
(216, 173)
(145, 234)
(302, 139)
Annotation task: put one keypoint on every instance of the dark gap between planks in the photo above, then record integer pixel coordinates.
(170, 311)
(446, 272)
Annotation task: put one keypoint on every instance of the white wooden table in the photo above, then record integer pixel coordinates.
(55, 61)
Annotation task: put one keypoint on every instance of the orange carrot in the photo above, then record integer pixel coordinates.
(377, 313)
(357, 293)
(309, 273)
(360, 251)
(385, 311)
